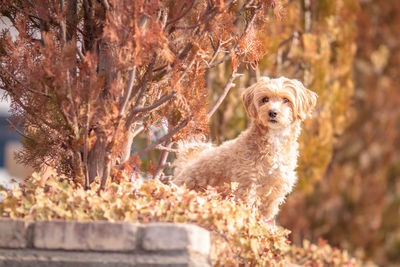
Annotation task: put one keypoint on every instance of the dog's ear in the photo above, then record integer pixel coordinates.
(306, 100)
(247, 98)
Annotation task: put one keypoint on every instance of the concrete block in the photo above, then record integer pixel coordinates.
(96, 236)
(13, 233)
(168, 236)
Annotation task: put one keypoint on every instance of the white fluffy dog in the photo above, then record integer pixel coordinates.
(261, 160)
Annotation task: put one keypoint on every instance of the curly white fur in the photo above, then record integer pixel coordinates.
(262, 159)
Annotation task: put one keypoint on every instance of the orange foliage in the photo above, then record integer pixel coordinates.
(83, 78)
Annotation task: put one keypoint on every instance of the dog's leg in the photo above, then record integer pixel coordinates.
(270, 206)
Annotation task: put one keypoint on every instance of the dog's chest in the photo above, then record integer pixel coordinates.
(277, 161)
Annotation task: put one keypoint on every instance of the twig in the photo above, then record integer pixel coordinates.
(223, 59)
(63, 26)
(249, 22)
(162, 161)
(24, 85)
(165, 98)
(181, 15)
(186, 70)
(160, 68)
(33, 114)
(128, 92)
(18, 131)
(168, 149)
(211, 14)
(144, 82)
(216, 51)
(137, 131)
(241, 10)
(227, 87)
(185, 51)
(121, 115)
(75, 125)
(80, 54)
(85, 147)
(105, 4)
(164, 138)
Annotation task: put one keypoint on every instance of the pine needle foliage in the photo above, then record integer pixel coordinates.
(86, 76)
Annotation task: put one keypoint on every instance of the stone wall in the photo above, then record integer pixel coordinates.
(66, 243)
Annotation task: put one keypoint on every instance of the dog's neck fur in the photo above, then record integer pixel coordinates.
(267, 140)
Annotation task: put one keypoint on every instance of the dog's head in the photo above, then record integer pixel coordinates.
(277, 103)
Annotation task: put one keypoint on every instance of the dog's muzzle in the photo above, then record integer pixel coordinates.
(273, 114)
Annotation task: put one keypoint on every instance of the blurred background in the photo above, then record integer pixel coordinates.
(10, 170)
(348, 52)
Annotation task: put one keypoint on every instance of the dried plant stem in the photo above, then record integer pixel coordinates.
(144, 81)
(164, 138)
(182, 14)
(163, 148)
(162, 161)
(86, 148)
(165, 98)
(128, 92)
(229, 84)
(248, 23)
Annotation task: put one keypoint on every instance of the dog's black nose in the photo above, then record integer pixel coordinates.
(272, 113)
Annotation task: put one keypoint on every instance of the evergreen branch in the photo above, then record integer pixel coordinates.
(18, 131)
(24, 85)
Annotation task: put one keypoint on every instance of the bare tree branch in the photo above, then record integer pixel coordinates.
(248, 23)
(162, 160)
(128, 92)
(86, 148)
(229, 84)
(210, 15)
(63, 25)
(138, 131)
(105, 4)
(144, 82)
(182, 14)
(165, 98)
(168, 149)
(164, 138)
(128, 145)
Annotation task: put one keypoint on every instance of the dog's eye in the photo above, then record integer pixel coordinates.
(265, 100)
(285, 100)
